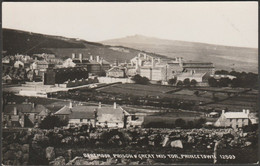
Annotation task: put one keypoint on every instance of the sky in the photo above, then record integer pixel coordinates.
(224, 23)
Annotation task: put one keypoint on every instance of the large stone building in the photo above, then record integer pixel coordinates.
(162, 69)
(61, 75)
(97, 66)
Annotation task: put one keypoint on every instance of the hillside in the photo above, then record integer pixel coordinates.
(224, 57)
(22, 42)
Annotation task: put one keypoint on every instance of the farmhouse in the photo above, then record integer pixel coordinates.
(233, 119)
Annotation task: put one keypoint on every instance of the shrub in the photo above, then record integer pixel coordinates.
(140, 80)
(52, 121)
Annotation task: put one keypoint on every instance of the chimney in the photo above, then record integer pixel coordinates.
(223, 111)
(15, 111)
(114, 105)
(98, 58)
(70, 106)
(73, 56)
(99, 104)
(247, 112)
(244, 111)
(145, 56)
(91, 57)
(80, 57)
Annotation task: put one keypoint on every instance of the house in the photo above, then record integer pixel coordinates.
(18, 64)
(83, 115)
(253, 118)
(233, 119)
(64, 112)
(135, 120)
(117, 72)
(6, 60)
(68, 63)
(111, 117)
(24, 115)
(7, 79)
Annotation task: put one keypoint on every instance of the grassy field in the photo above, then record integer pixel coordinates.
(236, 100)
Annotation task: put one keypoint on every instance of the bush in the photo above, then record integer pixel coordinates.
(172, 81)
(180, 123)
(52, 121)
(186, 82)
(140, 80)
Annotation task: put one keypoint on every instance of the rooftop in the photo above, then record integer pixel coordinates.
(236, 115)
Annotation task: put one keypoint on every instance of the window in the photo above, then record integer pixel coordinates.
(81, 120)
(116, 123)
(88, 120)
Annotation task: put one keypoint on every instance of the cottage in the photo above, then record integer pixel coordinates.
(233, 119)
(82, 115)
(64, 112)
(111, 116)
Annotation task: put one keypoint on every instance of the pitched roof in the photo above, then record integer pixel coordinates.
(82, 112)
(63, 111)
(188, 74)
(109, 114)
(24, 108)
(235, 115)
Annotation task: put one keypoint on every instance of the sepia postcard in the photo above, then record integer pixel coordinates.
(129, 83)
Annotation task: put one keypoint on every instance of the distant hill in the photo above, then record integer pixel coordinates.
(224, 57)
(22, 42)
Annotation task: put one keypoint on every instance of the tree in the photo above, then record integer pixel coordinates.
(186, 82)
(180, 123)
(200, 122)
(235, 82)
(49, 122)
(179, 83)
(140, 80)
(212, 82)
(172, 81)
(193, 82)
(196, 93)
(221, 72)
(224, 82)
(190, 124)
